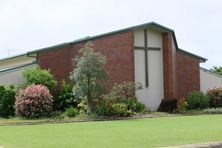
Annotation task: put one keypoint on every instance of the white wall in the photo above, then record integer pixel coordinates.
(152, 95)
(209, 80)
(13, 76)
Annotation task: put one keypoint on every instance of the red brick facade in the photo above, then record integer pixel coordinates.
(181, 71)
(188, 74)
(169, 66)
(118, 48)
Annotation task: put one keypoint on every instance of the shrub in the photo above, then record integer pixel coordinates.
(82, 106)
(213, 111)
(71, 112)
(120, 110)
(7, 101)
(136, 106)
(121, 96)
(40, 76)
(215, 95)
(122, 92)
(182, 105)
(66, 99)
(168, 105)
(34, 101)
(197, 100)
(140, 107)
(103, 109)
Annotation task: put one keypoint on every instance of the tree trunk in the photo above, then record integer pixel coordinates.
(89, 107)
(89, 103)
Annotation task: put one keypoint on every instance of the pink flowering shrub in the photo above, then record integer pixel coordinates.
(34, 101)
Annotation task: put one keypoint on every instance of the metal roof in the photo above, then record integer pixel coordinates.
(153, 25)
(17, 67)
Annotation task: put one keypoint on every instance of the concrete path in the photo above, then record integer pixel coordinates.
(217, 144)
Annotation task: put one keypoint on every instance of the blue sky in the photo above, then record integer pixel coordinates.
(27, 25)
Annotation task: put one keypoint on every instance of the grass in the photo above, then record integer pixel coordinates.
(163, 131)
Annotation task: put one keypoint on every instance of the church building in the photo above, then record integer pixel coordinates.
(147, 53)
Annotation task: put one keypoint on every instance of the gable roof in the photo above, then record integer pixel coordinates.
(192, 54)
(153, 25)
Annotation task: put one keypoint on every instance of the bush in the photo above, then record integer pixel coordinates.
(122, 92)
(7, 101)
(197, 100)
(213, 111)
(103, 109)
(40, 76)
(71, 112)
(34, 101)
(140, 107)
(120, 110)
(66, 99)
(121, 95)
(182, 105)
(136, 106)
(168, 105)
(82, 106)
(215, 95)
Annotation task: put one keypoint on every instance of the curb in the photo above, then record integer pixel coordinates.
(217, 144)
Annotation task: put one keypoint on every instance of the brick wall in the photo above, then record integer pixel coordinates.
(188, 74)
(181, 71)
(118, 48)
(169, 66)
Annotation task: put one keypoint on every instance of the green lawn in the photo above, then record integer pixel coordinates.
(153, 132)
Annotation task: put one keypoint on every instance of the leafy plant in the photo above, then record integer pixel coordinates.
(168, 105)
(213, 111)
(71, 112)
(181, 105)
(39, 76)
(120, 110)
(103, 109)
(197, 100)
(121, 95)
(122, 92)
(215, 95)
(136, 106)
(7, 100)
(34, 101)
(89, 69)
(82, 106)
(66, 99)
(140, 107)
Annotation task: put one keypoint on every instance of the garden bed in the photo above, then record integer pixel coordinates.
(79, 118)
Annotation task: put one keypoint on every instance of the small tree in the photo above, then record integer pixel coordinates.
(89, 69)
(217, 70)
